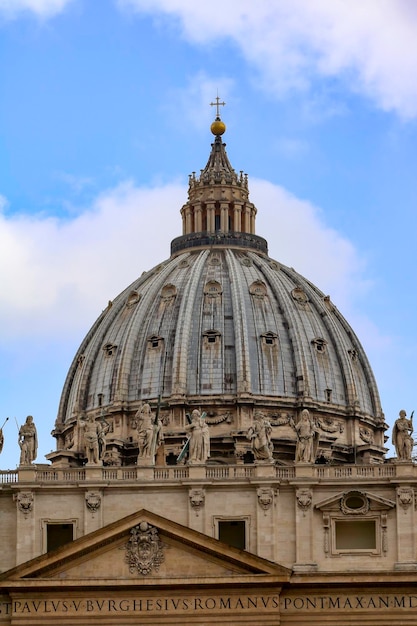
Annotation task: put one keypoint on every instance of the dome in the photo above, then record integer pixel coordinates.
(222, 327)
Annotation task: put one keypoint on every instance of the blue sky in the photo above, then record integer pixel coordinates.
(104, 111)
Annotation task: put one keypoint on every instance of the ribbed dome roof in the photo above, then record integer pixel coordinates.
(222, 327)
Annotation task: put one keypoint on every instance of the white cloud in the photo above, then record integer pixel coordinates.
(57, 276)
(41, 8)
(298, 236)
(371, 46)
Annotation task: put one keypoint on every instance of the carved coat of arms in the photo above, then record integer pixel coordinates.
(144, 550)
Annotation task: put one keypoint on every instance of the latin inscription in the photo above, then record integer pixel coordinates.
(348, 602)
(294, 604)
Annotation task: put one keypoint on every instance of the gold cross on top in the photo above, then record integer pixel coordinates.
(217, 104)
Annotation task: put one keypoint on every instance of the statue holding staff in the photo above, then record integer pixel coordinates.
(28, 441)
(1, 434)
(401, 436)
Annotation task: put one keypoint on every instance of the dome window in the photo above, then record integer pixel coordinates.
(109, 349)
(300, 296)
(213, 288)
(133, 298)
(353, 355)
(320, 345)
(269, 338)
(155, 341)
(168, 292)
(258, 289)
(211, 336)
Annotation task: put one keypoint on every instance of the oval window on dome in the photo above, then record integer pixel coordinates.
(258, 289)
(133, 298)
(299, 295)
(213, 288)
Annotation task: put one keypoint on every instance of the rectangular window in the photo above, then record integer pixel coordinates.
(58, 535)
(355, 535)
(233, 532)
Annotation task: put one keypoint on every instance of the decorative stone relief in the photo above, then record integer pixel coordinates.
(366, 435)
(144, 550)
(112, 458)
(217, 418)
(304, 499)
(330, 425)
(183, 264)
(282, 419)
(24, 501)
(405, 497)
(214, 260)
(197, 499)
(93, 501)
(246, 261)
(265, 498)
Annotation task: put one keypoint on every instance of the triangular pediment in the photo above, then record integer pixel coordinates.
(145, 548)
(341, 500)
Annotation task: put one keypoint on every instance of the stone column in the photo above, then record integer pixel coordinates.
(188, 220)
(224, 218)
(210, 217)
(237, 218)
(198, 225)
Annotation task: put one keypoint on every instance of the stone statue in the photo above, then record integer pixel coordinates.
(92, 432)
(307, 438)
(260, 436)
(401, 436)
(104, 429)
(28, 442)
(199, 442)
(149, 434)
(1, 434)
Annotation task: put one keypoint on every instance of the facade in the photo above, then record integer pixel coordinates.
(220, 452)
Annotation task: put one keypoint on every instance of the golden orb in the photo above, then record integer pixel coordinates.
(218, 127)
